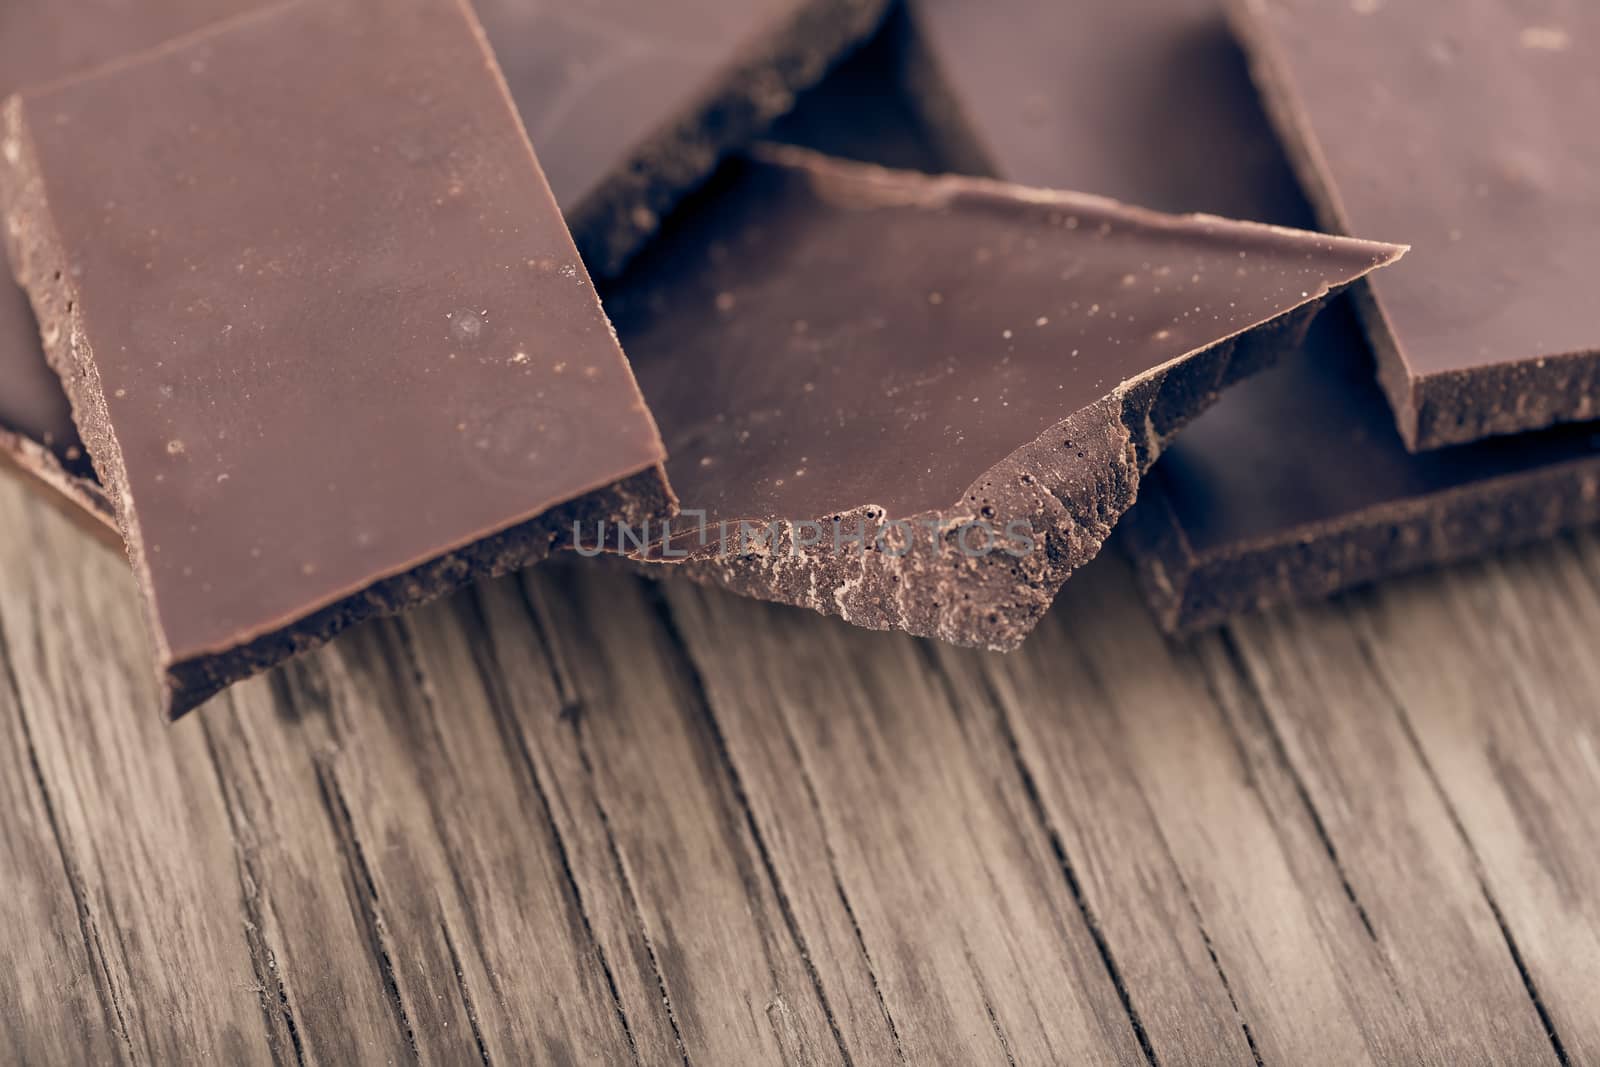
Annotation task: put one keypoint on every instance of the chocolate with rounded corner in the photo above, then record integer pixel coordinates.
(330, 361)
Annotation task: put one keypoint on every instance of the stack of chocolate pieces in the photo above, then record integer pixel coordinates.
(1463, 129)
(316, 333)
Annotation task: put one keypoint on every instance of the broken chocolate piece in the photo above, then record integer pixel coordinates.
(41, 42)
(1296, 484)
(631, 103)
(331, 361)
(1468, 128)
(919, 403)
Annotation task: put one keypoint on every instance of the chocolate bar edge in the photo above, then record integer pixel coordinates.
(1189, 591)
(994, 600)
(642, 497)
(40, 264)
(614, 221)
(1433, 410)
(81, 500)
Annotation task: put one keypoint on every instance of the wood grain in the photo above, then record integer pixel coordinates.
(912, 812)
(577, 817)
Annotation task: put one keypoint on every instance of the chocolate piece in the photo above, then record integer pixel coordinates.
(631, 103)
(1468, 128)
(331, 361)
(859, 113)
(1128, 99)
(1315, 492)
(1296, 483)
(41, 42)
(969, 377)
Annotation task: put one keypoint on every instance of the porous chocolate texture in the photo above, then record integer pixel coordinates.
(330, 361)
(940, 370)
(1466, 127)
(1297, 483)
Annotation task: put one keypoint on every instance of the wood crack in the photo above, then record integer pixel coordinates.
(263, 963)
(988, 1005)
(815, 804)
(702, 698)
(1403, 718)
(99, 971)
(464, 994)
(500, 708)
(1211, 949)
(615, 852)
(571, 700)
(364, 889)
(1035, 799)
(1280, 753)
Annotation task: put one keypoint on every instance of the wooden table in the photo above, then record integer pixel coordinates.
(576, 817)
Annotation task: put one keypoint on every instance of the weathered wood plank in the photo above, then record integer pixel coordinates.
(461, 657)
(1398, 845)
(1228, 923)
(1509, 728)
(303, 919)
(572, 817)
(140, 824)
(657, 827)
(474, 928)
(54, 1007)
(897, 821)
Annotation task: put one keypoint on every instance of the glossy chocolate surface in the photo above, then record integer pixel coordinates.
(1468, 129)
(631, 103)
(1296, 483)
(828, 339)
(312, 348)
(42, 41)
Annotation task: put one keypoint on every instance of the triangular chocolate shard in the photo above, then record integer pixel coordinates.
(920, 403)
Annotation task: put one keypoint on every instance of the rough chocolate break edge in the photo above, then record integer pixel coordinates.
(1432, 408)
(42, 266)
(1068, 486)
(1190, 590)
(612, 222)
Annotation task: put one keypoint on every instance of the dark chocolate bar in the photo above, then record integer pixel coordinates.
(38, 440)
(1296, 484)
(919, 403)
(631, 103)
(41, 42)
(1316, 493)
(1470, 129)
(330, 361)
